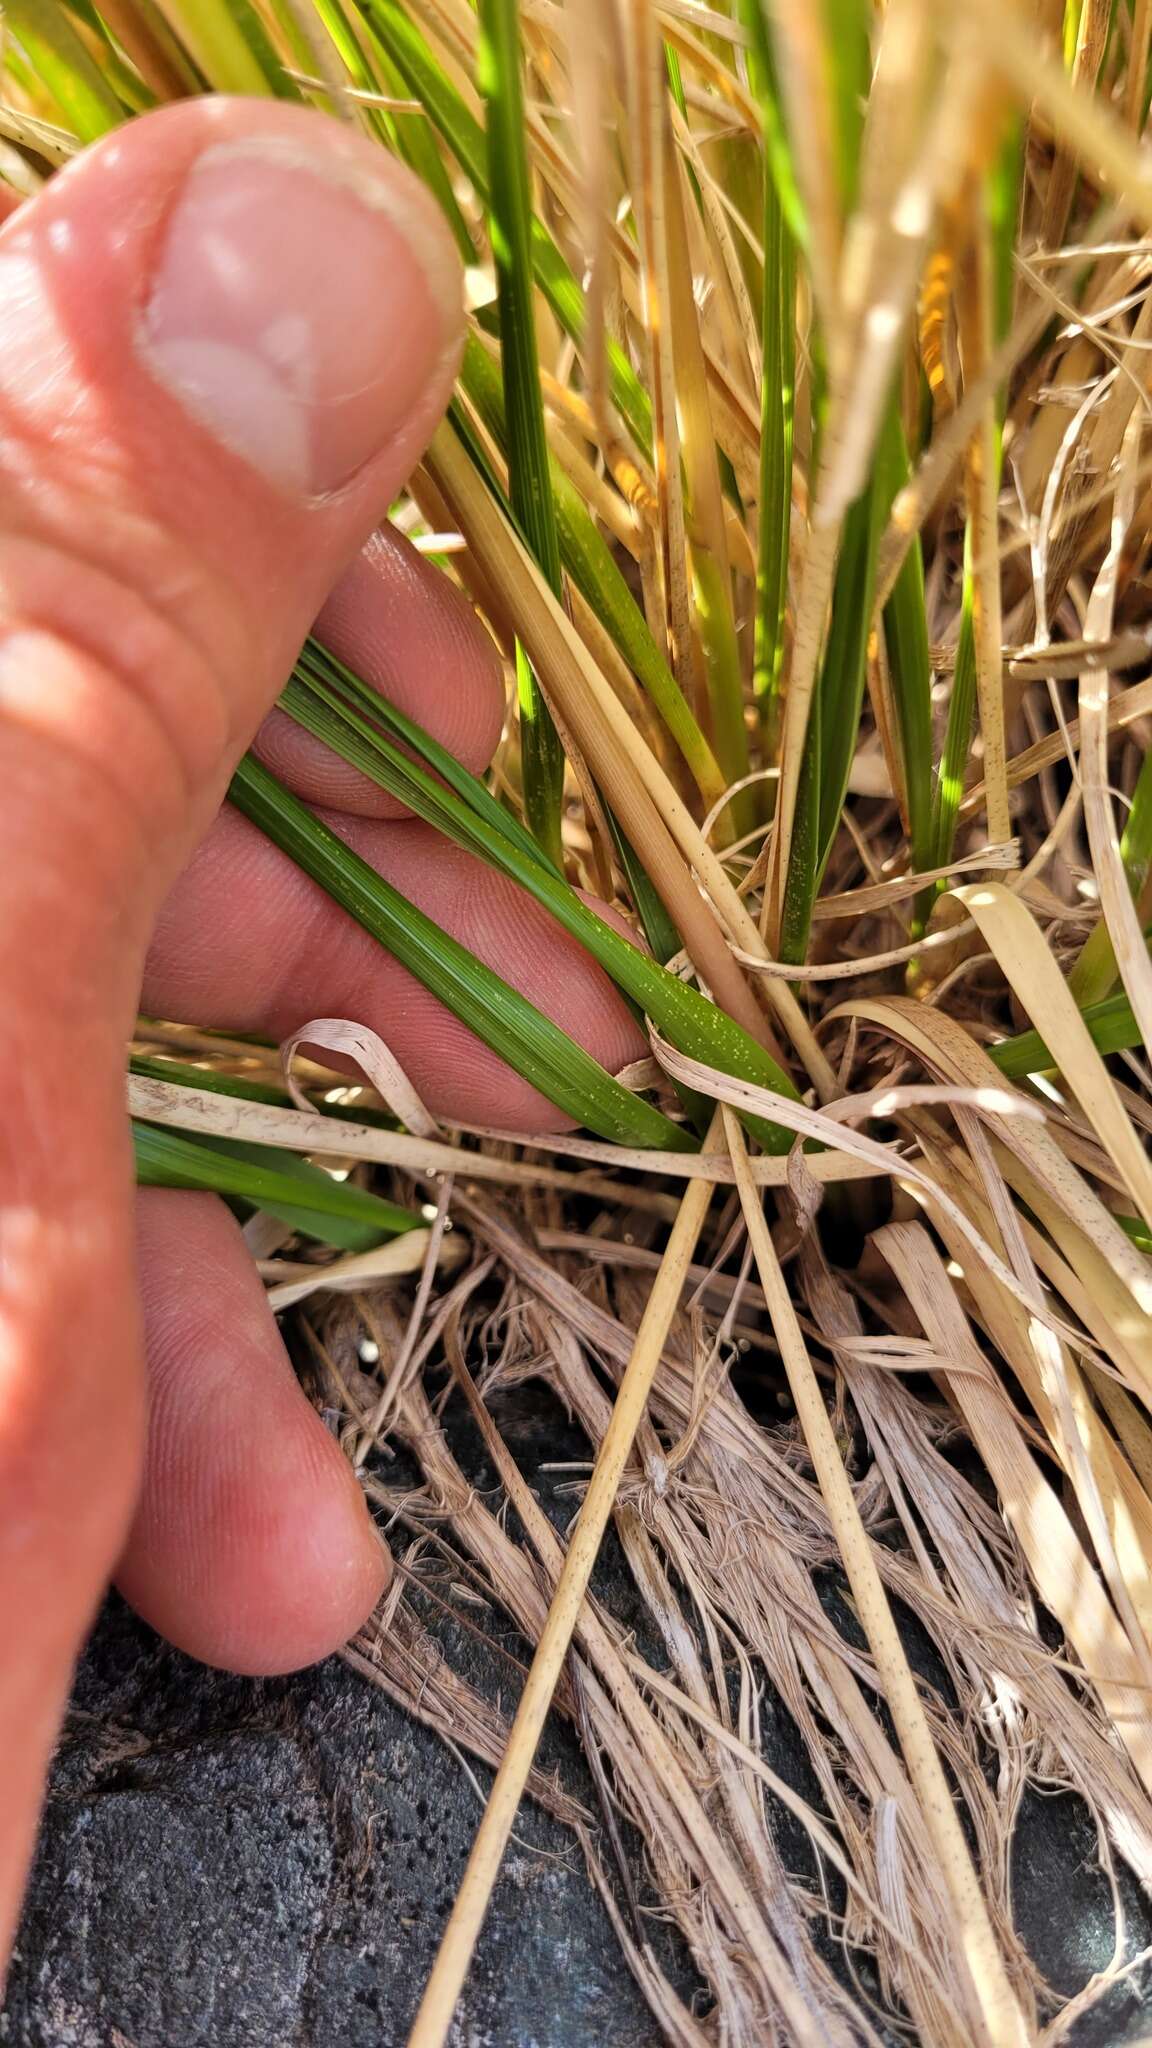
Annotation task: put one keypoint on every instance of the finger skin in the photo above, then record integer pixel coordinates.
(402, 627)
(251, 1546)
(188, 576)
(410, 633)
(248, 943)
(153, 591)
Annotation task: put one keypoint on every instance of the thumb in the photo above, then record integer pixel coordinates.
(228, 331)
(225, 334)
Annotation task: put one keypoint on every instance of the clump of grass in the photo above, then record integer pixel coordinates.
(800, 431)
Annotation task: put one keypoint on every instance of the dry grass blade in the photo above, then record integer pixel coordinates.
(994, 2015)
(443, 1989)
(1057, 1560)
(1027, 962)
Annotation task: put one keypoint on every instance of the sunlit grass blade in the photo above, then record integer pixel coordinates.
(64, 67)
(358, 55)
(157, 54)
(847, 49)
(505, 1020)
(529, 482)
(128, 85)
(777, 152)
(427, 82)
(229, 44)
(299, 1194)
(694, 1025)
(411, 134)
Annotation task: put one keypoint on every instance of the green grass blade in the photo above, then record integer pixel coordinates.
(529, 482)
(228, 43)
(835, 721)
(182, 1074)
(368, 72)
(846, 656)
(1003, 190)
(589, 562)
(658, 928)
(777, 397)
(301, 1195)
(848, 48)
(409, 133)
(510, 219)
(464, 136)
(64, 67)
(541, 759)
(1003, 200)
(909, 660)
(777, 150)
(804, 859)
(712, 589)
(317, 666)
(510, 1025)
(125, 83)
(1138, 1231)
(783, 226)
(691, 1023)
(1136, 838)
(1111, 1026)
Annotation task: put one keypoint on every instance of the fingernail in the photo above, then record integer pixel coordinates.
(301, 304)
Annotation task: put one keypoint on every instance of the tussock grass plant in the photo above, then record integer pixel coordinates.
(801, 431)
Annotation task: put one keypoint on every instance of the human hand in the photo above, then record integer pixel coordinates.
(226, 334)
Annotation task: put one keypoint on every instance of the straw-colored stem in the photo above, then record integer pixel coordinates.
(438, 2004)
(1134, 97)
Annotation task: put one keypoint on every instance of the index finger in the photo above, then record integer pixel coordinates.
(404, 628)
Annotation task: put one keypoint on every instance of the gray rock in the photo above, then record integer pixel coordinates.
(252, 1865)
(236, 1864)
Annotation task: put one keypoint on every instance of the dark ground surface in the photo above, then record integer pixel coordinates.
(238, 1864)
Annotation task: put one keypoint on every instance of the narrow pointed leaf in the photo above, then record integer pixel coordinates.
(301, 1195)
(505, 1020)
(694, 1025)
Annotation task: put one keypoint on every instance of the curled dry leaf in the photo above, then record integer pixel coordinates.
(379, 1066)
